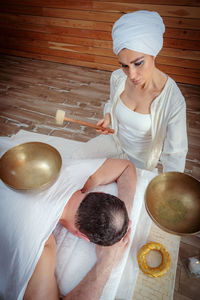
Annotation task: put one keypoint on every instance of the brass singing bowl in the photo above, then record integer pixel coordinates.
(172, 200)
(30, 166)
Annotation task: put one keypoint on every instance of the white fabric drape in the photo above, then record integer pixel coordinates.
(28, 219)
(140, 31)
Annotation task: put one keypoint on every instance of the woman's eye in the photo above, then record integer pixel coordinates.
(124, 66)
(139, 63)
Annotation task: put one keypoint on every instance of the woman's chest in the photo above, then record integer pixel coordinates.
(138, 101)
(130, 120)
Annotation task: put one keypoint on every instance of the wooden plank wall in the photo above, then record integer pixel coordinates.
(79, 32)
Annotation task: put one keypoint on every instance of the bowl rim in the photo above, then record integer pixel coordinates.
(44, 185)
(152, 217)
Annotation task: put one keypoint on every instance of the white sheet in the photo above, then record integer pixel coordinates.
(27, 220)
(122, 280)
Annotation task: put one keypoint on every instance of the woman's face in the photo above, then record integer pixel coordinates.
(137, 66)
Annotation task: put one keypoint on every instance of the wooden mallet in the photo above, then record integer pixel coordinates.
(60, 118)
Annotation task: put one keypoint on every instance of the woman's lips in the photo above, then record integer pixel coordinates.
(136, 81)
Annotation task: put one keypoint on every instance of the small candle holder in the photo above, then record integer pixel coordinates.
(192, 266)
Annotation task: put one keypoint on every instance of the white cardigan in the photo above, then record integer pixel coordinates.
(168, 123)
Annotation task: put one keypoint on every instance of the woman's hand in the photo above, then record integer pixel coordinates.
(104, 123)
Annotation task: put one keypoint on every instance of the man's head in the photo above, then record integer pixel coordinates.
(103, 218)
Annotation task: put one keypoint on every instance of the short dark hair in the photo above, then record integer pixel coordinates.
(103, 218)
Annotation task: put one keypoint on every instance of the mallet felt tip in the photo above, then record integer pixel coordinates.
(60, 118)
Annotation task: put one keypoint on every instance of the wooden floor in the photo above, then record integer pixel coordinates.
(30, 93)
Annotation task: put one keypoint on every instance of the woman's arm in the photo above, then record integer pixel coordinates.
(175, 147)
(108, 105)
(106, 121)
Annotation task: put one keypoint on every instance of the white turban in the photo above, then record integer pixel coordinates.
(140, 31)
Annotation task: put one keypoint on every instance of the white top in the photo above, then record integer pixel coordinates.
(133, 129)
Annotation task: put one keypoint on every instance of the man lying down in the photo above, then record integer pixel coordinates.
(28, 247)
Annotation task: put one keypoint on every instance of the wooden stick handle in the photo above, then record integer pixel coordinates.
(89, 124)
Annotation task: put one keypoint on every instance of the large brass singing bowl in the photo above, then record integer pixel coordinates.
(172, 200)
(30, 166)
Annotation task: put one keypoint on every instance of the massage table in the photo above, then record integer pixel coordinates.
(126, 281)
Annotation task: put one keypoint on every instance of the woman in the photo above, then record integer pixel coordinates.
(146, 107)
